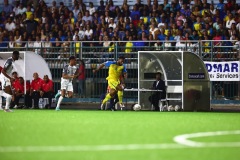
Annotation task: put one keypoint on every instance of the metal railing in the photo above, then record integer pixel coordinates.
(93, 54)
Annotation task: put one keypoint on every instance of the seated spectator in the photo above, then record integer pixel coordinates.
(47, 48)
(91, 8)
(158, 45)
(30, 44)
(37, 45)
(36, 87)
(47, 90)
(88, 33)
(167, 44)
(11, 43)
(31, 24)
(10, 24)
(7, 8)
(18, 92)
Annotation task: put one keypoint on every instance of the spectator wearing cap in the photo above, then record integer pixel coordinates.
(47, 90)
(112, 24)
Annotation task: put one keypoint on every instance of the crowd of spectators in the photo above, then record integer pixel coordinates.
(30, 24)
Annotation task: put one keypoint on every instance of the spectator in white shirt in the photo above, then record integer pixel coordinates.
(230, 21)
(76, 11)
(81, 33)
(91, 8)
(112, 24)
(37, 45)
(10, 25)
(87, 17)
(89, 33)
(21, 9)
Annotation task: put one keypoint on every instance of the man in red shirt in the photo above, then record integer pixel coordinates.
(18, 91)
(47, 90)
(36, 87)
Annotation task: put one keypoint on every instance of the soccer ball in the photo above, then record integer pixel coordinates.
(177, 108)
(170, 108)
(136, 107)
(164, 108)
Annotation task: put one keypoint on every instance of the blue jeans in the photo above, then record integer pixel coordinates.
(81, 87)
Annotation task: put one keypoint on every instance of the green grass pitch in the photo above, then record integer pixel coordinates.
(121, 135)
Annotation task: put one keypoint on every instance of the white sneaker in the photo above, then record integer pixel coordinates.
(102, 106)
(15, 107)
(121, 105)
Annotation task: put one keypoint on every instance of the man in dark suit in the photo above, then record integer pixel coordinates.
(159, 84)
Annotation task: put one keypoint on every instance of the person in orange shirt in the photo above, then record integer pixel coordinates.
(47, 90)
(36, 87)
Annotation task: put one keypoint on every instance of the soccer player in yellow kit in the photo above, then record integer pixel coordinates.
(116, 69)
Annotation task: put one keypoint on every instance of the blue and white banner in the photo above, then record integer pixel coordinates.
(223, 71)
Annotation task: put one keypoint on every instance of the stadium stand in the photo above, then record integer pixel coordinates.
(55, 27)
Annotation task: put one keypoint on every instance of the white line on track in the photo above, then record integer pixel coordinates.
(181, 140)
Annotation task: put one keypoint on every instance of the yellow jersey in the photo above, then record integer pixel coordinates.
(114, 71)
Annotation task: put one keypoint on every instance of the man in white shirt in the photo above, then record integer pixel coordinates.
(21, 9)
(37, 44)
(10, 25)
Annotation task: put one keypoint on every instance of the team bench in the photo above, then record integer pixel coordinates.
(171, 90)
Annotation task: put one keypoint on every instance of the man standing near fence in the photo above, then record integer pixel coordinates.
(116, 69)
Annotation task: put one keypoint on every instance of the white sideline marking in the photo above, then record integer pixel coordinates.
(90, 148)
(181, 140)
(184, 139)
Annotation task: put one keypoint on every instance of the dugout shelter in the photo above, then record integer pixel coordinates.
(185, 76)
(27, 64)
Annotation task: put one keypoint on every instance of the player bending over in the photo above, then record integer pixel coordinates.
(116, 69)
(70, 71)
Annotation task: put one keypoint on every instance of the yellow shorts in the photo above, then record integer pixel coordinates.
(113, 84)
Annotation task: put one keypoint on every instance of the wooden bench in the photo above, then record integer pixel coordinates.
(171, 90)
